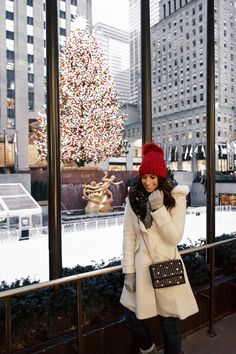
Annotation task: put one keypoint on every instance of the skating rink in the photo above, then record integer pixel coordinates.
(30, 258)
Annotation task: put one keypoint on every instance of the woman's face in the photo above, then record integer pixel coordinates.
(150, 182)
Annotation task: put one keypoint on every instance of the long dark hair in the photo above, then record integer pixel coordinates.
(138, 189)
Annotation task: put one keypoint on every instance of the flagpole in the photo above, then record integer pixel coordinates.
(15, 141)
(192, 158)
(5, 156)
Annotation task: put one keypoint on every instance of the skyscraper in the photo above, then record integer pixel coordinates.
(135, 46)
(115, 47)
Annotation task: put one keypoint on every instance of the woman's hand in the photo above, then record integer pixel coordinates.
(130, 282)
(156, 199)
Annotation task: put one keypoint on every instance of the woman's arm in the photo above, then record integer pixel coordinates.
(171, 224)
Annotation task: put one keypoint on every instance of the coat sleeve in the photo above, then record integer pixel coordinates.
(171, 224)
(129, 241)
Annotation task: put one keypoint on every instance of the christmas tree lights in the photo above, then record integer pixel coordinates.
(91, 126)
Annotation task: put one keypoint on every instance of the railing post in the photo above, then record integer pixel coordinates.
(79, 318)
(146, 84)
(53, 130)
(210, 156)
(8, 325)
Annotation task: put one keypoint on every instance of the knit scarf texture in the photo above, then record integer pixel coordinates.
(140, 204)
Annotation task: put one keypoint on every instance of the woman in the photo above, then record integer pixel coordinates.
(155, 210)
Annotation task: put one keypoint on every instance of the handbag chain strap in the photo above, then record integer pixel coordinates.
(145, 242)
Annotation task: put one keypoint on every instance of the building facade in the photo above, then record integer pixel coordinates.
(179, 51)
(114, 44)
(23, 64)
(135, 47)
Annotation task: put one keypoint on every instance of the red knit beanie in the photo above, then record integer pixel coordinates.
(153, 161)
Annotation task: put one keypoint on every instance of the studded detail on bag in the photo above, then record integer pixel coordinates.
(168, 273)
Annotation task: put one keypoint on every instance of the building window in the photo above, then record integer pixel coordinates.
(31, 101)
(62, 14)
(10, 55)
(164, 10)
(30, 20)
(74, 2)
(189, 134)
(10, 35)
(62, 31)
(30, 2)
(30, 58)
(30, 39)
(30, 77)
(10, 15)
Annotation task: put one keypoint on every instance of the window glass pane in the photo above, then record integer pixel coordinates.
(178, 47)
(225, 45)
(23, 199)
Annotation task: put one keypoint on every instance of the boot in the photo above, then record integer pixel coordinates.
(152, 350)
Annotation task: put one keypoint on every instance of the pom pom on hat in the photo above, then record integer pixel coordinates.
(148, 147)
(153, 161)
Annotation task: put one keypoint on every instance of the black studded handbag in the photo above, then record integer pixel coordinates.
(167, 273)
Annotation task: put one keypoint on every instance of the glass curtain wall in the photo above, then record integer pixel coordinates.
(101, 129)
(100, 120)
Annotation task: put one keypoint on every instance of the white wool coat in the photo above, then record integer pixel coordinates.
(162, 238)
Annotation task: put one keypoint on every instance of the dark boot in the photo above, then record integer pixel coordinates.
(153, 350)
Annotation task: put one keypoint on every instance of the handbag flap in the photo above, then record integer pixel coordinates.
(166, 269)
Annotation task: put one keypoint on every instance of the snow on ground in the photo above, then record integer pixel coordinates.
(19, 259)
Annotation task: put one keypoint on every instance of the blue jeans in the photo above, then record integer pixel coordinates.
(170, 327)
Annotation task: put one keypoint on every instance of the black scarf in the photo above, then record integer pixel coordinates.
(138, 197)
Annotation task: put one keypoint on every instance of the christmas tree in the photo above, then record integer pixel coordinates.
(91, 126)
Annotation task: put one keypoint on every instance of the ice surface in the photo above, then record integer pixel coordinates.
(19, 259)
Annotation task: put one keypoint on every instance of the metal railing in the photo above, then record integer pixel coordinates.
(8, 294)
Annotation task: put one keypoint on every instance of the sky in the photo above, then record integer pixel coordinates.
(111, 12)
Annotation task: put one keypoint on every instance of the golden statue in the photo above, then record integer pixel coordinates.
(98, 195)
